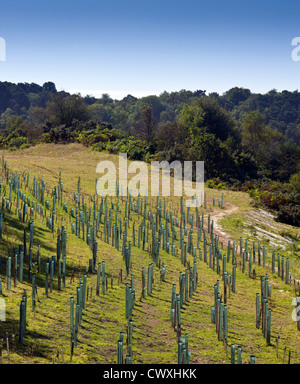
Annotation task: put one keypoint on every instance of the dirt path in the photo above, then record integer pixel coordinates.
(225, 237)
(218, 230)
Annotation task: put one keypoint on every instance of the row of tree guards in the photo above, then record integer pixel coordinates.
(263, 310)
(120, 345)
(158, 229)
(75, 322)
(214, 258)
(184, 247)
(85, 217)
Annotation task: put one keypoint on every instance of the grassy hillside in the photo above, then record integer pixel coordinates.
(48, 338)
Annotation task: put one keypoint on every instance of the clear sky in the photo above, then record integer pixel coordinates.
(144, 47)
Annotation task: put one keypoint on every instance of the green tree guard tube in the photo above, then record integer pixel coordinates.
(39, 258)
(233, 277)
(173, 304)
(228, 251)
(257, 311)
(51, 275)
(120, 352)
(46, 279)
(232, 353)
(269, 327)
(130, 332)
(33, 291)
(9, 273)
(224, 265)
(220, 319)
(241, 246)
(195, 275)
(265, 313)
(21, 263)
(179, 352)
(22, 326)
(239, 355)
(213, 314)
(143, 283)
(103, 277)
(84, 291)
(98, 279)
(16, 251)
(225, 321)
(72, 316)
(282, 267)
(178, 320)
(186, 285)
(76, 323)
(287, 271)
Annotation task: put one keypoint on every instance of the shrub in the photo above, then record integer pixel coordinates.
(18, 142)
(289, 214)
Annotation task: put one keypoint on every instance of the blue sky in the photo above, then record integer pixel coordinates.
(143, 47)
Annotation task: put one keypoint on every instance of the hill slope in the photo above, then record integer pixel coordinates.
(47, 336)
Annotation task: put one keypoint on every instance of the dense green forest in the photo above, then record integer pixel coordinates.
(248, 141)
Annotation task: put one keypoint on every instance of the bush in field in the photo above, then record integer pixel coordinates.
(19, 142)
(289, 214)
(135, 149)
(217, 183)
(282, 198)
